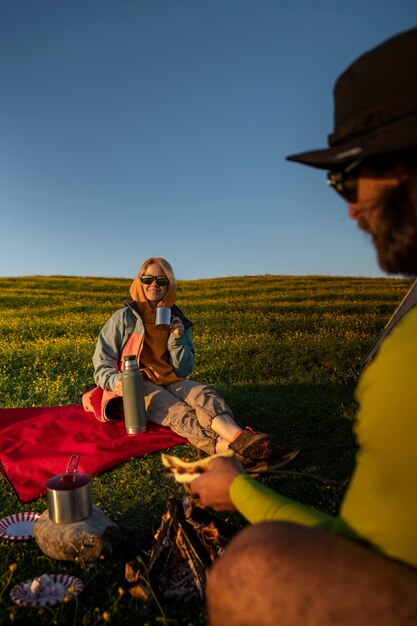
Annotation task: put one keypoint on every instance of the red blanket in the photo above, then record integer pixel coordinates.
(37, 443)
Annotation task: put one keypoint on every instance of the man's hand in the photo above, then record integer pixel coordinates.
(118, 388)
(213, 486)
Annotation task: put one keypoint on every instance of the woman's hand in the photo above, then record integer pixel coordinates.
(213, 486)
(118, 388)
(177, 327)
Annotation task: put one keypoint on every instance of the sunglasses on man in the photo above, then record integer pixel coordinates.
(345, 182)
(147, 279)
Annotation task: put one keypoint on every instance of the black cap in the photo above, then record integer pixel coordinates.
(375, 105)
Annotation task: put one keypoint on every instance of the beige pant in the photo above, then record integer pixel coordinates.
(187, 408)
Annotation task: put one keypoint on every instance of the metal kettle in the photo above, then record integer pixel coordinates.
(69, 494)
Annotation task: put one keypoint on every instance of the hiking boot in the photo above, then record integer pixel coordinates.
(257, 451)
(279, 457)
(250, 445)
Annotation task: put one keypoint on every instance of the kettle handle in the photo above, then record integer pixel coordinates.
(73, 464)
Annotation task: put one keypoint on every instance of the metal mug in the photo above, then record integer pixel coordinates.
(69, 494)
(163, 317)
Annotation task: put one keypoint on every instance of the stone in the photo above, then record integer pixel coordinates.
(90, 539)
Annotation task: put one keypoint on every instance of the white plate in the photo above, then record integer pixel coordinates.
(18, 526)
(51, 590)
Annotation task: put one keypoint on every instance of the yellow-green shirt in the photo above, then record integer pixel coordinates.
(380, 504)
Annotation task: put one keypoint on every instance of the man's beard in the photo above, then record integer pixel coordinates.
(395, 237)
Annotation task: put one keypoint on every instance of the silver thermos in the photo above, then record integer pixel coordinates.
(133, 401)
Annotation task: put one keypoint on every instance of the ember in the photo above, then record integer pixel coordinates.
(187, 542)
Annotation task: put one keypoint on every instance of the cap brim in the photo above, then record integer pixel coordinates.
(401, 135)
(328, 157)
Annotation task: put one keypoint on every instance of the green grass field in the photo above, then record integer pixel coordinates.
(276, 347)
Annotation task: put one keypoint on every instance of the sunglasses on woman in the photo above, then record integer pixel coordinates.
(148, 279)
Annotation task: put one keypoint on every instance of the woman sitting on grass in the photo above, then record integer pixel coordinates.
(166, 357)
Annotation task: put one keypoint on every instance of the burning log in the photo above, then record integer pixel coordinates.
(187, 542)
(133, 576)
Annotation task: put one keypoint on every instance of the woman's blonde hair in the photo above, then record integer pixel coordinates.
(163, 264)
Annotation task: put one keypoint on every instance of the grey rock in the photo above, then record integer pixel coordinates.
(90, 539)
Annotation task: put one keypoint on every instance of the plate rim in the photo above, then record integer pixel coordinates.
(10, 520)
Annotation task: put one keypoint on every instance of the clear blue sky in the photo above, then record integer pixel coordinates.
(131, 128)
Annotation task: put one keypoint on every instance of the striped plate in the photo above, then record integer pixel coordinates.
(18, 526)
(64, 585)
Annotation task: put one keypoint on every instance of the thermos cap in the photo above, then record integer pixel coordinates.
(130, 362)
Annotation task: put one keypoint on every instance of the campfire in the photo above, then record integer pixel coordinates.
(187, 542)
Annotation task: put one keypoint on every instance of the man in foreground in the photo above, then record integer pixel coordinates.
(296, 565)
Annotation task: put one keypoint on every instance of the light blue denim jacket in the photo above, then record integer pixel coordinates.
(117, 330)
